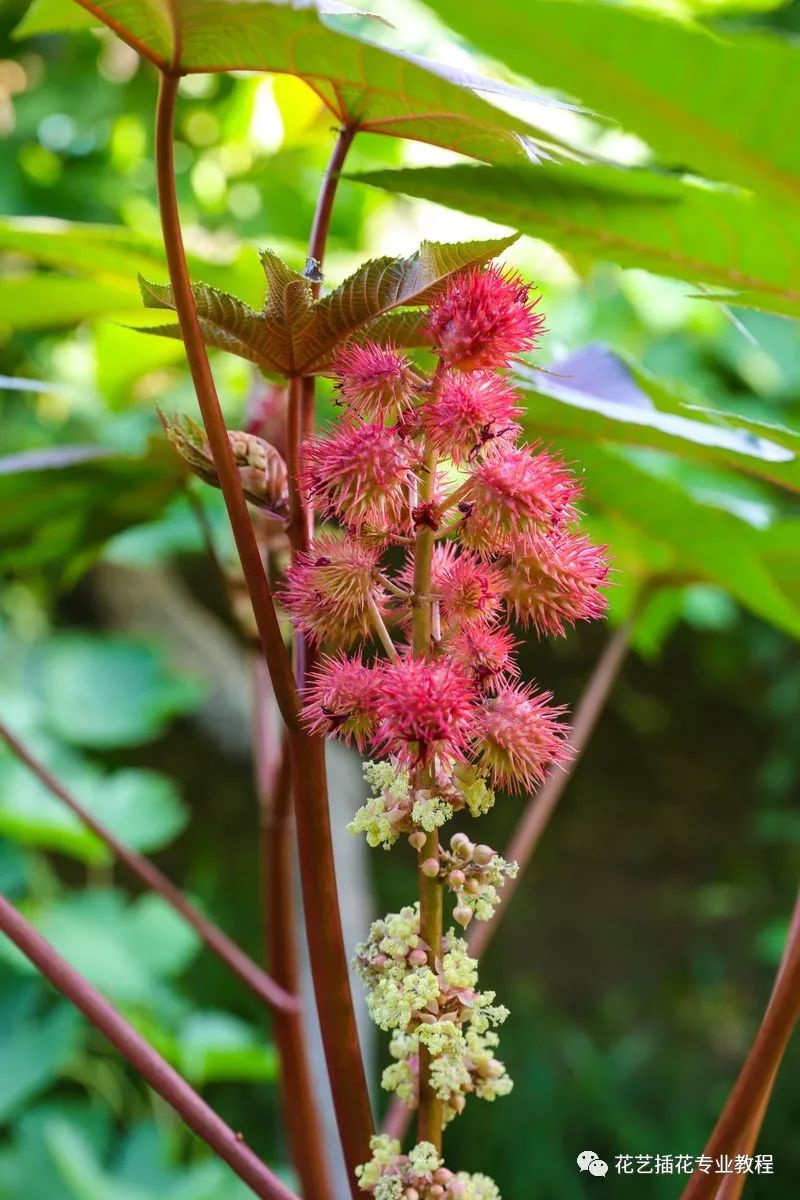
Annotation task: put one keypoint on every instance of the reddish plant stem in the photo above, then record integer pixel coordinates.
(192, 1109)
(327, 194)
(429, 1123)
(732, 1186)
(536, 816)
(307, 754)
(244, 536)
(272, 993)
(542, 805)
(300, 1110)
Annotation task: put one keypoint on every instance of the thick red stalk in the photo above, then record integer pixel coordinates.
(430, 1118)
(192, 1109)
(240, 964)
(300, 1107)
(322, 216)
(309, 783)
(244, 536)
(327, 951)
(732, 1186)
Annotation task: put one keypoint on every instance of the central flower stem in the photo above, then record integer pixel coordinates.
(430, 890)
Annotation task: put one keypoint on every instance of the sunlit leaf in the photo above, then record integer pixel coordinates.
(634, 218)
(46, 301)
(697, 97)
(219, 1046)
(383, 91)
(698, 541)
(140, 807)
(596, 396)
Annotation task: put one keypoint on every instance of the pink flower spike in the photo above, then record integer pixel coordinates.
(484, 318)
(469, 411)
(556, 581)
(328, 589)
(486, 655)
(515, 494)
(520, 736)
(374, 381)
(340, 700)
(425, 710)
(359, 473)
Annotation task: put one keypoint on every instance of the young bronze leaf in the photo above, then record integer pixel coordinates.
(387, 283)
(295, 335)
(227, 324)
(288, 310)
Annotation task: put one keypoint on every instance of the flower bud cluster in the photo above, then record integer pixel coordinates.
(418, 1175)
(439, 1007)
(397, 807)
(473, 874)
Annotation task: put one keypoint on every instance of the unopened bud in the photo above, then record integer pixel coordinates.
(442, 1175)
(379, 961)
(473, 886)
(461, 846)
(436, 1192)
(458, 1188)
(456, 879)
(411, 1194)
(462, 914)
(483, 855)
(417, 958)
(430, 867)
(417, 839)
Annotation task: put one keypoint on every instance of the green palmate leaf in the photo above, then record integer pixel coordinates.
(218, 1046)
(295, 335)
(123, 949)
(47, 301)
(669, 531)
(110, 692)
(696, 97)
(633, 218)
(33, 1054)
(110, 255)
(58, 508)
(596, 396)
(52, 16)
(141, 808)
(380, 90)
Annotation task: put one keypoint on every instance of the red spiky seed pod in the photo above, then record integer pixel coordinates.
(426, 709)
(328, 590)
(556, 581)
(484, 318)
(468, 411)
(340, 700)
(375, 382)
(520, 736)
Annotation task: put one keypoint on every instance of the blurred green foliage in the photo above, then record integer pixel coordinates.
(640, 951)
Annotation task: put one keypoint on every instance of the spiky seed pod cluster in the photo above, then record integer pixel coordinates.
(421, 670)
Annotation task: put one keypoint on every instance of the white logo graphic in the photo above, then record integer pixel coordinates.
(589, 1161)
